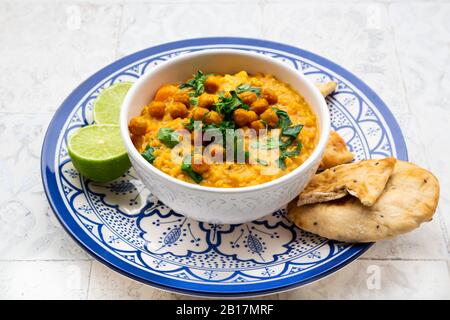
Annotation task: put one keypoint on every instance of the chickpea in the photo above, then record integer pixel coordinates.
(206, 100)
(257, 125)
(198, 164)
(137, 140)
(259, 106)
(248, 97)
(243, 117)
(252, 116)
(166, 91)
(177, 110)
(212, 84)
(213, 117)
(156, 109)
(198, 113)
(183, 97)
(270, 117)
(269, 95)
(138, 126)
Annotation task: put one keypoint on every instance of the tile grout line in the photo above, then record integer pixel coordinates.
(119, 27)
(399, 64)
(89, 280)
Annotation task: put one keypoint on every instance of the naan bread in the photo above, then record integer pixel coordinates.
(364, 180)
(409, 199)
(326, 88)
(336, 152)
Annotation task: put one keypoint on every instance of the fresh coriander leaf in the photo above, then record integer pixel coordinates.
(288, 153)
(262, 162)
(197, 84)
(186, 167)
(282, 163)
(248, 87)
(285, 142)
(294, 152)
(268, 144)
(168, 136)
(292, 131)
(189, 125)
(224, 125)
(193, 101)
(226, 105)
(283, 118)
(148, 154)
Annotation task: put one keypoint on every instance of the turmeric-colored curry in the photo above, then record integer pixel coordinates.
(257, 103)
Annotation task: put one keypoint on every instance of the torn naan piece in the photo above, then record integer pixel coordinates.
(336, 152)
(409, 199)
(327, 88)
(364, 180)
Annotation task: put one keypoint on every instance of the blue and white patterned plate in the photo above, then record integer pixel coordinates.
(125, 227)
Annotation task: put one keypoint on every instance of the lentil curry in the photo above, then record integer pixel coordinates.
(220, 102)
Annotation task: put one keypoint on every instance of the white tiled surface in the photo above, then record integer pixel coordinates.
(400, 48)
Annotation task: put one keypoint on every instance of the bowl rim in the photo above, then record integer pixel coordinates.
(317, 152)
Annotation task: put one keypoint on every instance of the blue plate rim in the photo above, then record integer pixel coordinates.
(115, 263)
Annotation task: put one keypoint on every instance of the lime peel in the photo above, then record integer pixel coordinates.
(98, 153)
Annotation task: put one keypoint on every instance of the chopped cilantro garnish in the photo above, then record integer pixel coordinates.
(168, 136)
(186, 167)
(148, 154)
(192, 124)
(193, 101)
(283, 118)
(248, 87)
(292, 131)
(226, 105)
(288, 153)
(269, 144)
(262, 162)
(197, 84)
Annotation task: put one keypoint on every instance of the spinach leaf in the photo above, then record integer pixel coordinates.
(197, 84)
(168, 136)
(186, 167)
(248, 87)
(148, 154)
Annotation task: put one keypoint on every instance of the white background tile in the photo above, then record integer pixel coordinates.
(377, 279)
(49, 47)
(44, 279)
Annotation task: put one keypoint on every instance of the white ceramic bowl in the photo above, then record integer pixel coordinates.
(222, 205)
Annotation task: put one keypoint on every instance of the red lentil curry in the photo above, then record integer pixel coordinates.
(220, 102)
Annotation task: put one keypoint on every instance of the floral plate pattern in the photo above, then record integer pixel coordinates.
(124, 226)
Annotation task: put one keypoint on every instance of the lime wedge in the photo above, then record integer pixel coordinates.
(108, 103)
(98, 153)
